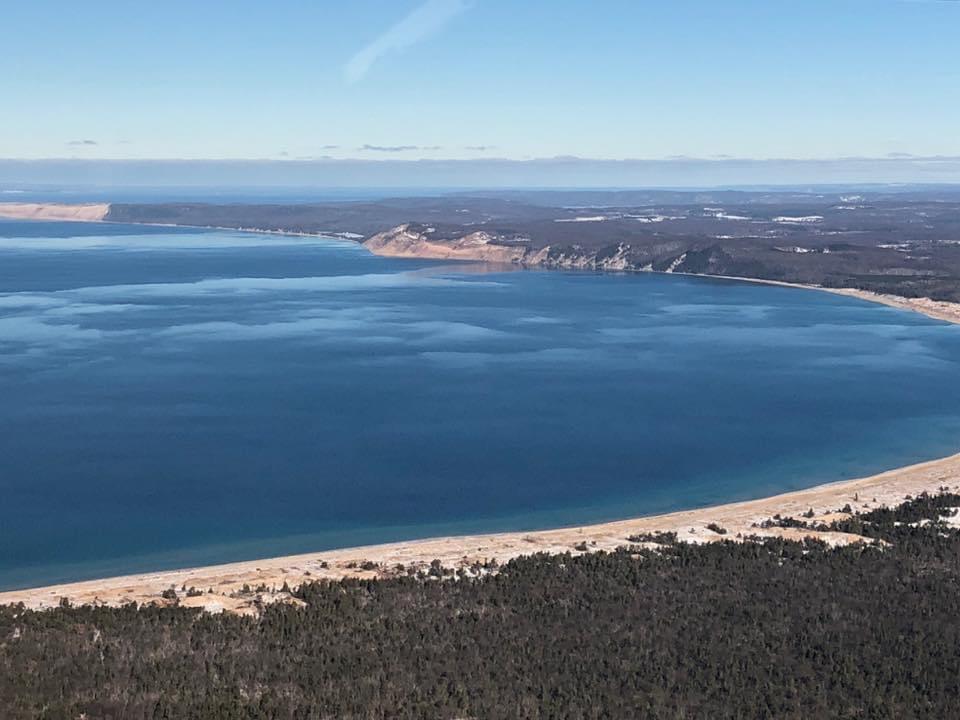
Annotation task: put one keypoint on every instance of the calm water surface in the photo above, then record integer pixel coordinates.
(172, 398)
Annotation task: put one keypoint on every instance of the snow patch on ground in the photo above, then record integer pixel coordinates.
(676, 263)
(722, 214)
(788, 219)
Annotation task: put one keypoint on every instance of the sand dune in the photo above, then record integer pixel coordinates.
(89, 212)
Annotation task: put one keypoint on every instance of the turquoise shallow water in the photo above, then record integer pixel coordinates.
(175, 398)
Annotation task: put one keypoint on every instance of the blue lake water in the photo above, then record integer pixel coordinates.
(173, 398)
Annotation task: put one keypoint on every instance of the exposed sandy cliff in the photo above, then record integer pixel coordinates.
(410, 241)
(405, 241)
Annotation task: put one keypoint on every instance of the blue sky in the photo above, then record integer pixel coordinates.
(410, 79)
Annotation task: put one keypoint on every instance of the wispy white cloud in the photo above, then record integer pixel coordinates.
(397, 148)
(389, 148)
(422, 22)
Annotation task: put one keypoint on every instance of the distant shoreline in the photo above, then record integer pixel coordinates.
(936, 309)
(98, 212)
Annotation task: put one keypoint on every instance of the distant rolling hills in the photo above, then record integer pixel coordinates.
(905, 244)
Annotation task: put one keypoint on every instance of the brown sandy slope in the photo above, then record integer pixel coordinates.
(91, 212)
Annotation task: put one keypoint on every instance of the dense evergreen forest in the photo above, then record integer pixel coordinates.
(764, 629)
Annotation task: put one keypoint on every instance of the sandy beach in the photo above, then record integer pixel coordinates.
(936, 309)
(222, 586)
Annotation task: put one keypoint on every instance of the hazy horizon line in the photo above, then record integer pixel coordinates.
(889, 157)
(556, 171)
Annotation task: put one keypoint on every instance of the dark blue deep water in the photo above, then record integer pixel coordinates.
(172, 398)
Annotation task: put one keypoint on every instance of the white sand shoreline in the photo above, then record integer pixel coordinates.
(936, 309)
(222, 586)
